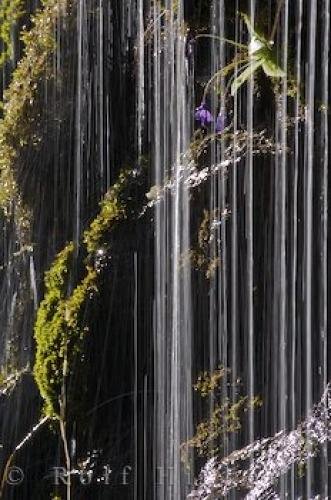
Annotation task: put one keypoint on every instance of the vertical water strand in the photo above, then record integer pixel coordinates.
(294, 235)
(33, 282)
(308, 227)
(186, 425)
(187, 99)
(176, 352)
(181, 348)
(283, 390)
(101, 97)
(172, 251)
(138, 13)
(249, 198)
(170, 169)
(275, 324)
(234, 240)
(219, 223)
(214, 313)
(213, 319)
(79, 146)
(110, 43)
(160, 269)
(135, 401)
(325, 41)
(56, 71)
(141, 74)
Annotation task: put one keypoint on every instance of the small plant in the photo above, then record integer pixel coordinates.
(259, 53)
(200, 255)
(226, 416)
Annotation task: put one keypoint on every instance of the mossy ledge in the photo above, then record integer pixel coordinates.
(60, 327)
(19, 111)
(10, 13)
(113, 209)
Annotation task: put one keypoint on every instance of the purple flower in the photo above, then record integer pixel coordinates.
(203, 115)
(221, 122)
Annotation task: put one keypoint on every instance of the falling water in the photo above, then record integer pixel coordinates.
(173, 312)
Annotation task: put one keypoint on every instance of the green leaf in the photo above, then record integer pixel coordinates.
(253, 31)
(271, 68)
(245, 75)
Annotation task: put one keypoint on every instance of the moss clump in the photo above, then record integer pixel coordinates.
(112, 210)
(58, 330)
(208, 382)
(51, 332)
(224, 419)
(10, 13)
(226, 416)
(59, 327)
(19, 118)
(200, 255)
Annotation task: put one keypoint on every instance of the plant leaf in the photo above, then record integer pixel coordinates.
(271, 68)
(245, 75)
(253, 31)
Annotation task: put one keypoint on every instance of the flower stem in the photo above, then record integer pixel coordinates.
(222, 72)
(225, 40)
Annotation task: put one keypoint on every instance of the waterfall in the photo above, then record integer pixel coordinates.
(173, 311)
(289, 244)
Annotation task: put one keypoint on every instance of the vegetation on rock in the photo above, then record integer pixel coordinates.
(10, 13)
(60, 327)
(226, 416)
(19, 110)
(112, 210)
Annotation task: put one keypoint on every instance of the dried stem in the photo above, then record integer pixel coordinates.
(223, 72)
(22, 443)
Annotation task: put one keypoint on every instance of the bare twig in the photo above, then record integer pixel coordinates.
(20, 445)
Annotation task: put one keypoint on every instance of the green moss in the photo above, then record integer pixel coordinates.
(225, 418)
(58, 329)
(19, 110)
(200, 254)
(10, 13)
(51, 333)
(208, 382)
(112, 210)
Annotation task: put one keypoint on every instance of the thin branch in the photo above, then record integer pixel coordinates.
(20, 445)
(67, 455)
(221, 39)
(223, 72)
